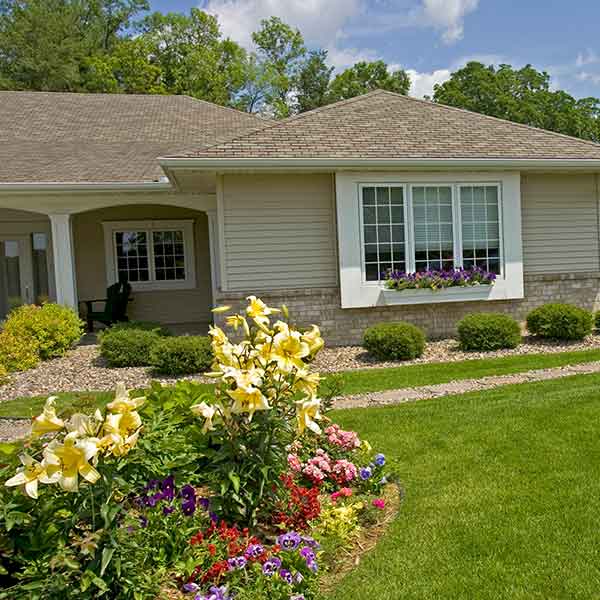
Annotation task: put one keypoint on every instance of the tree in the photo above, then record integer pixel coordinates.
(44, 44)
(280, 50)
(365, 77)
(313, 81)
(520, 95)
(192, 56)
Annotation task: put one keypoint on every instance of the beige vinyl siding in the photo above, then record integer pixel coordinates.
(279, 231)
(560, 223)
(165, 306)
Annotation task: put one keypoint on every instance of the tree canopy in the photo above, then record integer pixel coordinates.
(118, 46)
(520, 95)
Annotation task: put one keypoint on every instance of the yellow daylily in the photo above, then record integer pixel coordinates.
(259, 311)
(237, 321)
(307, 382)
(120, 432)
(207, 412)
(313, 339)
(307, 411)
(217, 335)
(85, 425)
(71, 459)
(288, 350)
(47, 422)
(122, 402)
(248, 400)
(220, 309)
(30, 473)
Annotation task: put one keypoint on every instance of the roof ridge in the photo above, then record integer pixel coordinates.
(492, 118)
(273, 124)
(228, 108)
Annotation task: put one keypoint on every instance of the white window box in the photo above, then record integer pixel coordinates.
(424, 296)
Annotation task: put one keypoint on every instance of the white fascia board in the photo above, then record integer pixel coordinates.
(150, 186)
(227, 164)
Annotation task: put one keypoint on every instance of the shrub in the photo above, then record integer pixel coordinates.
(18, 353)
(597, 321)
(54, 328)
(143, 325)
(182, 355)
(560, 322)
(482, 332)
(122, 347)
(4, 378)
(395, 341)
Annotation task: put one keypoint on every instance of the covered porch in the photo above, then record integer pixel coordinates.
(68, 246)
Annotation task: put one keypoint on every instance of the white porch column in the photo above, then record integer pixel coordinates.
(213, 241)
(64, 259)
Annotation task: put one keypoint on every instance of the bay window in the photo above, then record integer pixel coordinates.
(419, 227)
(413, 222)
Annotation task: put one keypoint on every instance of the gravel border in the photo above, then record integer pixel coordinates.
(345, 358)
(83, 369)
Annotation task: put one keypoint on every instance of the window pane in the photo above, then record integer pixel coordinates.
(433, 229)
(480, 227)
(130, 246)
(40, 267)
(167, 247)
(383, 230)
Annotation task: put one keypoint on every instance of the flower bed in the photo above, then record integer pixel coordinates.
(249, 493)
(433, 279)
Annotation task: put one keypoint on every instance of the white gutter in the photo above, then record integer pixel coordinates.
(141, 186)
(223, 164)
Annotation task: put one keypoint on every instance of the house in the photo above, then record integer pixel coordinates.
(198, 205)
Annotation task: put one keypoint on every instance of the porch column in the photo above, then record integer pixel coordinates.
(213, 241)
(64, 260)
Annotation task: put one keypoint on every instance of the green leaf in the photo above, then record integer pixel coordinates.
(107, 554)
(7, 448)
(235, 480)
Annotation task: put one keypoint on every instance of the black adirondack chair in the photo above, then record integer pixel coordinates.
(115, 306)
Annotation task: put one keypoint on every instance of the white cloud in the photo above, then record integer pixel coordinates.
(421, 84)
(587, 58)
(448, 15)
(340, 58)
(320, 21)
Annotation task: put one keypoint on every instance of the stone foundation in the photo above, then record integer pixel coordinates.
(346, 326)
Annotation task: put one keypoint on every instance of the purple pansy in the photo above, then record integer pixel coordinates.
(365, 473)
(289, 541)
(271, 566)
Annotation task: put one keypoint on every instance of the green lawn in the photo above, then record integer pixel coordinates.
(353, 382)
(502, 495)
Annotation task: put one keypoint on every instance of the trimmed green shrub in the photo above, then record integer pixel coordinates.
(122, 347)
(483, 332)
(54, 328)
(560, 322)
(181, 355)
(18, 353)
(597, 321)
(394, 341)
(142, 325)
(4, 377)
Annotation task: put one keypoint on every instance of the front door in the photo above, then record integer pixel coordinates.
(16, 272)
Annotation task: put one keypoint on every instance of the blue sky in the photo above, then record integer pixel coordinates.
(431, 38)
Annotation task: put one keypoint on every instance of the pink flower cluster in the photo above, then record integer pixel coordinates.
(342, 493)
(344, 471)
(348, 440)
(321, 467)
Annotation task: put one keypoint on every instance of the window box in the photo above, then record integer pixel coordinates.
(425, 296)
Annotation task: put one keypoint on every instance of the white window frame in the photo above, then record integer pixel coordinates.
(149, 226)
(357, 292)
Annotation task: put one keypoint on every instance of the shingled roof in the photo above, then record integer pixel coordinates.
(49, 137)
(385, 125)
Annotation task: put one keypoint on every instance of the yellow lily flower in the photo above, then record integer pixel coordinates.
(71, 459)
(288, 350)
(47, 422)
(259, 311)
(307, 411)
(237, 321)
(307, 382)
(85, 425)
(248, 400)
(313, 339)
(30, 473)
(122, 402)
(207, 412)
(217, 335)
(220, 309)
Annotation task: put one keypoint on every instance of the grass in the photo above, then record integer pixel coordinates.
(351, 382)
(502, 495)
(374, 380)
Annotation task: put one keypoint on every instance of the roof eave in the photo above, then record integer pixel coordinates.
(56, 187)
(261, 164)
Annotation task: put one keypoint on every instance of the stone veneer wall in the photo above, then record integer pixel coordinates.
(346, 326)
